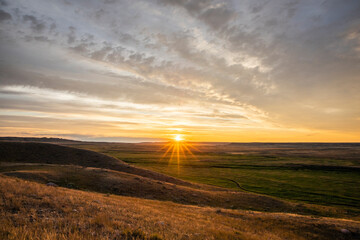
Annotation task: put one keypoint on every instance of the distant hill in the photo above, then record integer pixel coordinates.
(34, 139)
(295, 144)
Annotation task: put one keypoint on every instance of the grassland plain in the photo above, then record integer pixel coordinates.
(105, 198)
(319, 174)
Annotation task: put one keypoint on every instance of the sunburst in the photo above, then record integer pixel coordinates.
(178, 150)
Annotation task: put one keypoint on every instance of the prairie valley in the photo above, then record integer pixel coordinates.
(244, 185)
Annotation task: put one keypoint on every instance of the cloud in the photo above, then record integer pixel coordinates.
(193, 7)
(35, 24)
(3, 3)
(4, 15)
(217, 17)
(264, 64)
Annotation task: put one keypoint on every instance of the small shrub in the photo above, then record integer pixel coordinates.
(155, 237)
(138, 235)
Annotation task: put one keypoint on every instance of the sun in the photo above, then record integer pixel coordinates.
(178, 138)
(178, 150)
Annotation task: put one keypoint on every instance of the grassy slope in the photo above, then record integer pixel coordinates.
(114, 182)
(34, 211)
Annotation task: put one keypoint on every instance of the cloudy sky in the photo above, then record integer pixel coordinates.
(279, 70)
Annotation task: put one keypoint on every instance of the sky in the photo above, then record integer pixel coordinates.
(229, 71)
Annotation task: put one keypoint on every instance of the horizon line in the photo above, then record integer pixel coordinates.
(165, 141)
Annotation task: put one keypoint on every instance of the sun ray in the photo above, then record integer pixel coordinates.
(165, 154)
(178, 157)
(172, 154)
(182, 151)
(189, 151)
(163, 147)
(178, 151)
(193, 147)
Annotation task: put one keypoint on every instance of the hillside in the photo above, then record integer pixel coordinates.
(36, 211)
(120, 183)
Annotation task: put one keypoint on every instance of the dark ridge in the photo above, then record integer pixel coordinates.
(30, 152)
(34, 139)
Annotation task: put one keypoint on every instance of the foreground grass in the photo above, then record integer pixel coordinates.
(34, 211)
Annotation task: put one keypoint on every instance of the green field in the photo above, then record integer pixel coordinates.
(325, 181)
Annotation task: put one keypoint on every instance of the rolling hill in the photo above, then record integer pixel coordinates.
(102, 197)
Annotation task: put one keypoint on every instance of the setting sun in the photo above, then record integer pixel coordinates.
(178, 150)
(178, 138)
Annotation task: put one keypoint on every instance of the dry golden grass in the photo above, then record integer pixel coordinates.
(31, 210)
